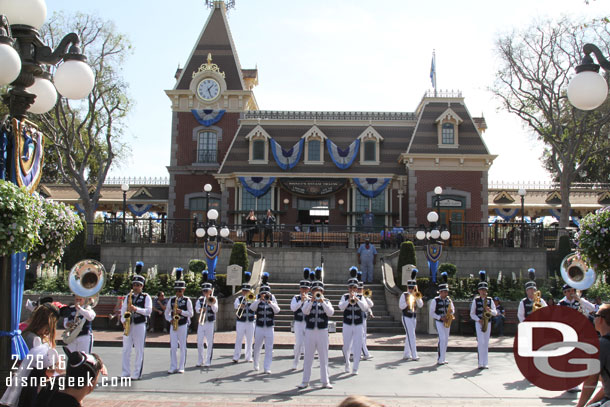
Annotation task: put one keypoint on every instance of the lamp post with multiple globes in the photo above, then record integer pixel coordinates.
(25, 63)
(588, 89)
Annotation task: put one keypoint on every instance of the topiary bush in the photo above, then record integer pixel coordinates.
(197, 265)
(239, 255)
(451, 269)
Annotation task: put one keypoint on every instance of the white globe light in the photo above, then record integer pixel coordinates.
(74, 79)
(212, 214)
(587, 90)
(224, 232)
(432, 217)
(420, 235)
(124, 187)
(200, 232)
(46, 96)
(438, 190)
(522, 192)
(207, 187)
(11, 64)
(28, 12)
(212, 231)
(427, 235)
(445, 235)
(435, 234)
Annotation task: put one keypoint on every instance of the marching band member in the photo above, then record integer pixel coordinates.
(442, 309)
(296, 306)
(244, 324)
(369, 314)
(481, 311)
(409, 302)
(317, 310)
(208, 305)
(265, 307)
(573, 300)
(178, 312)
(353, 318)
(526, 305)
(84, 339)
(135, 311)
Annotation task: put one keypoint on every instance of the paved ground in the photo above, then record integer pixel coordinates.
(285, 340)
(386, 378)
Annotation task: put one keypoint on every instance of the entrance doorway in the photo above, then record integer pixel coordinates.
(313, 214)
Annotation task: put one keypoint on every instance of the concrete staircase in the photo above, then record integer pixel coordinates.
(382, 322)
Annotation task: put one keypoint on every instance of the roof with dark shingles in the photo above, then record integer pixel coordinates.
(396, 140)
(425, 140)
(215, 39)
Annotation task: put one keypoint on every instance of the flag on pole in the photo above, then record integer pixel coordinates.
(433, 70)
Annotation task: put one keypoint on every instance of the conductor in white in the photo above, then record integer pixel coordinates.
(139, 312)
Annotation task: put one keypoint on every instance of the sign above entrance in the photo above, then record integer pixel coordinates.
(313, 187)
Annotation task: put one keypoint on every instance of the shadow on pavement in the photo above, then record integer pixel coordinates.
(390, 365)
(424, 369)
(469, 373)
(518, 385)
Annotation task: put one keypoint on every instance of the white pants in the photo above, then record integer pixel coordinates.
(299, 341)
(205, 333)
(316, 340)
(352, 343)
(178, 338)
(410, 340)
(243, 329)
(263, 335)
(443, 340)
(136, 340)
(83, 343)
(482, 343)
(365, 350)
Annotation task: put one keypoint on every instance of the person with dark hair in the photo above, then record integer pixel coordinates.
(250, 227)
(359, 401)
(498, 320)
(82, 373)
(157, 319)
(268, 223)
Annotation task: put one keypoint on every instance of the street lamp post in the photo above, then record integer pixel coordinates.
(434, 235)
(207, 188)
(124, 188)
(588, 89)
(438, 191)
(210, 232)
(522, 192)
(24, 62)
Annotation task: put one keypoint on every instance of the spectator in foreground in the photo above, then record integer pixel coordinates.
(602, 325)
(359, 401)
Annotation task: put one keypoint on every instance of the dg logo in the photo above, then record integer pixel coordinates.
(556, 348)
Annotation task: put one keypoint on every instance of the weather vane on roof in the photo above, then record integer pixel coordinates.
(229, 4)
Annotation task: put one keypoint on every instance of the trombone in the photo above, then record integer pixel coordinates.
(204, 307)
(247, 299)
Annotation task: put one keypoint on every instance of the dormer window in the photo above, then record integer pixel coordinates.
(448, 124)
(448, 133)
(314, 146)
(370, 141)
(259, 146)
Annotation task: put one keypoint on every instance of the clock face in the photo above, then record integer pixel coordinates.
(208, 89)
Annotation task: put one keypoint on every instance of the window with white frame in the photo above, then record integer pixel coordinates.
(314, 146)
(370, 142)
(448, 129)
(260, 204)
(377, 206)
(258, 152)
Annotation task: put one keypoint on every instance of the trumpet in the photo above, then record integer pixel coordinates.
(266, 297)
(353, 300)
(176, 317)
(368, 293)
(318, 296)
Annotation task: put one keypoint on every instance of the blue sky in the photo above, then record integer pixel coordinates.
(332, 55)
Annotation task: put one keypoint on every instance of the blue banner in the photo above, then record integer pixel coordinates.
(343, 158)
(17, 267)
(287, 159)
(257, 186)
(139, 210)
(506, 213)
(208, 117)
(212, 250)
(433, 254)
(371, 187)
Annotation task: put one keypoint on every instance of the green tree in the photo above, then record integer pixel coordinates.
(406, 256)
(84, 138)
(239, 255)
(535, 67)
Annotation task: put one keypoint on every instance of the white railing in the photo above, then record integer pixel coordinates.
(311, 115)
(434, 93)
(544, 185)
(137, 181)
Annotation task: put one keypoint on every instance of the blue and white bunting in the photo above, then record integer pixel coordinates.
(139, 210)
(257, 186)
(208, 117)
(343, 158)
(371, 187)
(287, 159)
(506, 213)
(556, 213)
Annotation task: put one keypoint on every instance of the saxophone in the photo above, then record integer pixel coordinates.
(449, 317)
(127, 315)
(486, 316)
(176, 317)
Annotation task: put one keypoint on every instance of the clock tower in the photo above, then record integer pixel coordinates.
(210, 93)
